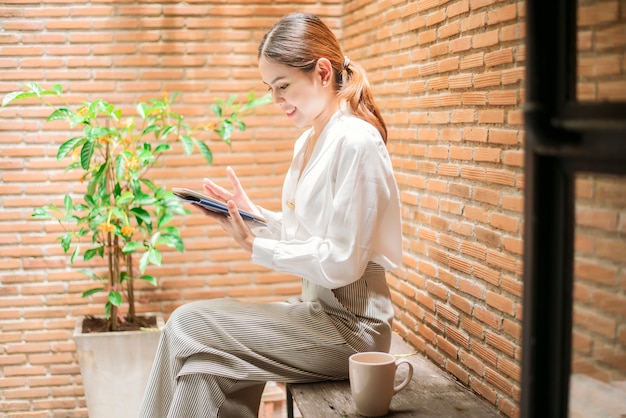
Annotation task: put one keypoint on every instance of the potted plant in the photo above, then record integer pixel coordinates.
(124, 217)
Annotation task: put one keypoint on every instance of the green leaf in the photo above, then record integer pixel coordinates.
(60, 114)
(90, 200)
(78, 207)
(142, 214)
(41, 213)
(90, 292)
(124, 198)
(75, 254)
(67, 203)
(17, 95)
(141, 110)
(69, 146)
(143, 262)
(132, 247)
(216, 109)
(226, 130)
(149, 183)
(187, 143)
(155, 256)
(151, 128)
(124, 276)
(91, 274)
(92, 252)
(86, 153)
(115, 298)
(172, 241)
(66, 241)
(150, 279)
(57, 89)
(162, 148)
(118, 213)
(35, 88)
(204, 150)
(167, 131)
(165, 219)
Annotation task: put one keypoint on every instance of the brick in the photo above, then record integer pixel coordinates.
(489, 79)
(460, 303)
(473, 363)
(504, 222)
(450, 349)
(495, 116)
(458, 372)
(486, 354)
(501, 344)
(512, 285)
(447, 313)
(498, 381)
(487, 317)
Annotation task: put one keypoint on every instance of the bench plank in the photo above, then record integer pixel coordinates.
(431, 393)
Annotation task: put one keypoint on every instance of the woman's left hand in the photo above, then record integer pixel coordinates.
(233, 224)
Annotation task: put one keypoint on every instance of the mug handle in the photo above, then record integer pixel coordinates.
(407, 379)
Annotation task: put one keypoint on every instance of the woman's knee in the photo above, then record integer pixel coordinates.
(196, 312)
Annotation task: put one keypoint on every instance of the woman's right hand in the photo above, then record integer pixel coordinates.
(238, 195)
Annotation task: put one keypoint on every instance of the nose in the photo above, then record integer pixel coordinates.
(276, 97)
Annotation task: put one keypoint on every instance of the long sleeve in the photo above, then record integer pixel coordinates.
(340, 212)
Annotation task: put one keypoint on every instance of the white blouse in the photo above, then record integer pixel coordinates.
(342, 211)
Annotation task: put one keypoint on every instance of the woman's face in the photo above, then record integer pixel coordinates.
(302, 96)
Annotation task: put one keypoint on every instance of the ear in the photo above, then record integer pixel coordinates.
(324, 71)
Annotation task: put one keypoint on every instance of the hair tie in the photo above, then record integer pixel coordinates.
(346, 62)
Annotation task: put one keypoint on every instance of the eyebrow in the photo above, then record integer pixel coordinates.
(280, 77)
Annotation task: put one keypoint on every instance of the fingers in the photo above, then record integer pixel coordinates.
(233, 224)
(234, 180)
(235, 217)
(239, 230)
(215, 190)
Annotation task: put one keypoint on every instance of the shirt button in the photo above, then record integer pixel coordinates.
(291, 204)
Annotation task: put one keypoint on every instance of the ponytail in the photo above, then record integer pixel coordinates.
(354, 89)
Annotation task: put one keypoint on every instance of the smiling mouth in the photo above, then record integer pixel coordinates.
(290, 112)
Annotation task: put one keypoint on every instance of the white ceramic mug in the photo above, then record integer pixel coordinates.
(372, 376)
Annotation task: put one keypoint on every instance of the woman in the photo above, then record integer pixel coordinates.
(339, 230)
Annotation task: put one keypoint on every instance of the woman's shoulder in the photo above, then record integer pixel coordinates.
(356, 131)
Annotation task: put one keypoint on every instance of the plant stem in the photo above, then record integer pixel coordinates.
(112, 247)
(115, 280)
(131, 288)
(113, 272)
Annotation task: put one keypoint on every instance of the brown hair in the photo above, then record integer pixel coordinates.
(298, 40)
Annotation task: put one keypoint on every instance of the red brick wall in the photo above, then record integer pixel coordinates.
(601, 45)
(599, 334)
(124, 52)
(449, 78)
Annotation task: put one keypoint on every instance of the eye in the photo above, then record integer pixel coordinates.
(283, 87)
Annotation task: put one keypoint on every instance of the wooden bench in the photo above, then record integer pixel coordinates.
(431, 393)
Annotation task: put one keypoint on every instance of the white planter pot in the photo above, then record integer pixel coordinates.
(115, 367)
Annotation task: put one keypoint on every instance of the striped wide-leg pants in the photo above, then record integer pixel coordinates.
(215, 356)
